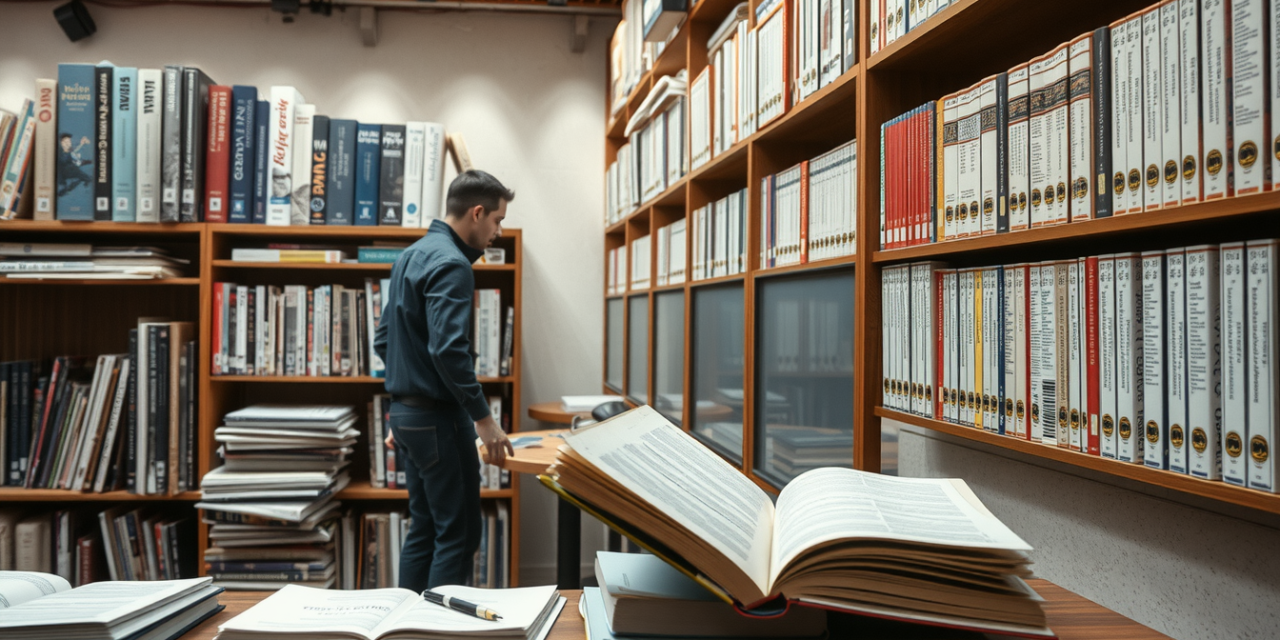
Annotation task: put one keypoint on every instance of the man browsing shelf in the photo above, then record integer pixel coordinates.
(435, 397)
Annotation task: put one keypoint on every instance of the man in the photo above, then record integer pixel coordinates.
(437, 406)
(70, 174)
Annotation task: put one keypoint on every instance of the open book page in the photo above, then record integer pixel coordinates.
(17, 587)
(688, 483)
(830, 504)
(321, 613)
(98, 603)
(521, 609)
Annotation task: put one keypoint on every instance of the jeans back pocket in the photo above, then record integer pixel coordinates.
(416, 439)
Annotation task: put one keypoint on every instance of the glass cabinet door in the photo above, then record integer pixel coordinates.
(613, 350)
(638, 348)
(717, 344)
(668, 354)
(804, 392)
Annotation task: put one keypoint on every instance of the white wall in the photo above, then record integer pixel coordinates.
(1187, 568)
(532, 112)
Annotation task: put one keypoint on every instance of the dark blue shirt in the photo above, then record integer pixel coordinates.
(423, 334)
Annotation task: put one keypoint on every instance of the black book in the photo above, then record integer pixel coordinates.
(193, 390)
(161, 426)
(184, 441)
(102, 119)
(340, 187)
(195, 110)
(171, 146)
(250, 331)
(319, 168)
(1002, 154)
(147, 467)
(130, 452)
(22, 429)
(10, 459)
(391, 187)
(1102, 121)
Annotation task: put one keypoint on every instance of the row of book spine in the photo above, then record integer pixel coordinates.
(384, 473)
(1171, 106)
(893, 19)
(653, 159)
(719, 237)
(17, 139)
(140, 544)
(493, 333)
(168, 145)
(125, 421)
(371, 544)
(809, 211)
(671, 252)
(1169, 359)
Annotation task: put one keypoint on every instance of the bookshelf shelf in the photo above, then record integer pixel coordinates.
(715, 281)
(335, 379)
(1212, 489)
(18, 494)
(1160, 219)
(370, 232)
(309, 266)
(88, 282)
(818, 265)
(66, 226)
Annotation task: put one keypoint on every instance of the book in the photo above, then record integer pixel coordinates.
(1263, 304)
(433, 173)
(261, 161)
(75, 146)
(748, 569)
(284, 103)
(195, 108)
(44, 605)
(149, 143)
(340, 187)
(104, 105)
(318, 175)
(124, 144)
(415, 150)
(301, 141)
(46, 147)
(171, 144)
(368, 173)
(305, 612)
(244, 130)
(218, 155)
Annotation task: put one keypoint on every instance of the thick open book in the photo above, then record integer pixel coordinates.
(923, 550)
(39, 606)
(394, 614)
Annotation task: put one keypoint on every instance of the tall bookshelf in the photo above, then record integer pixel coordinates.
(47, 318)
(950, 51)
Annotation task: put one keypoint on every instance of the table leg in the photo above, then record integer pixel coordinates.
(568, 545)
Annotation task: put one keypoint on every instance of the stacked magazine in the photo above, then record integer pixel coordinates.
(50, 261)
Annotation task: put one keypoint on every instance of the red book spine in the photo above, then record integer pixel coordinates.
(218, 159)
(922, 177)
(908, 181)
(163, 570)
(33, 465)
(85, 561)
(804, 212)
(216, 348)
(940, 362)
(1094, 399)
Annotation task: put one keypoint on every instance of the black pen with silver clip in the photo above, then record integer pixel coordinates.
(461, 606)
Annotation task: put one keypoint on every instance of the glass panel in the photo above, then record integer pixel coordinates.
(668, 354)
(804, 400)
(613, 351)
(717, 344)
(638, 348)
(888, 448)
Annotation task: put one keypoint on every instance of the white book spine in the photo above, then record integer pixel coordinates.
(1263, 305)
(46, 145)
(1176, 342)
(1250, 120)
(989, 151)
(1062, 336)
(1080, 72)
(1215, 98)
(1189, 95)
(415, 155)
(242, 328)
(968, 349)
(1035, 317)
(873, 25)
(1154, 383)
(952, 344)
(1120, 116)
(150, 83)
(1235, 346)
(1204, 363)
(1075, 343)
(1273, 81)
(1107, 354)
(1152, 96)
(1133, 121)
(284, 101)
(1019, 178)
(1018, 328)
(950, 168)
(969, 164)
(1057, 140)
(300, 212)
(433, 174)
(1038, 151)
(1050, 393)
(1170, 102)
(1129, 354)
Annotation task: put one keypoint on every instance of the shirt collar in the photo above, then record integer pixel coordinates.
(438, 226)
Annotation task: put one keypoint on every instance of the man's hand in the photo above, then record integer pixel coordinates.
(390, 440)
(496, 445)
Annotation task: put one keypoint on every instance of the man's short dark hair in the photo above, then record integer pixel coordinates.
(65, 135)
(475, 187)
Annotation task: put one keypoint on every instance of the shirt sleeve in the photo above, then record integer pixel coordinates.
(449, 298)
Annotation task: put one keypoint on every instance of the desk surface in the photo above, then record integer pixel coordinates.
(554, 412)
(1070, 616)
(535, 459)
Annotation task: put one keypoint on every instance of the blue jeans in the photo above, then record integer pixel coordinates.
(443, 473)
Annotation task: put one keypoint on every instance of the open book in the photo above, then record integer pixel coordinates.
(922, 550)
(39, 606)
(394, 614)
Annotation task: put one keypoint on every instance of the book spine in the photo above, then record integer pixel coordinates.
(284, 101)
(1107, 372)
(391, 184)
(1273, 85)
(319, 169)
(1250, 104)
(1091, 443)
(1216, 95)
(1204, 363)
(1234, 369)
(340, 175)
(148, 142)
(195, 109)
(1080, 70)
(14, 174)
(1058, 136)
(1002, 154)
(261, 160)
(433, 173)
(1061, 336)
(303, 129)
(368, 173)
(989, 168)
(803, 218)
(415, 149)
(75, 145)
(124, 145)
(1263, 306)
(1170, 102)
(1154, 407)
(1176, 343)
(1101, 106)
(46, 148)
(1075, 353)
(104, 103)
(171, 145)
(1129, 357)
(244, 107)
(1189, 96)
(218, 155)
(1119, 121)
(1152, 112)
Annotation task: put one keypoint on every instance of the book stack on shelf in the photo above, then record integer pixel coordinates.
(637, 42)
(719, 237)
(139, 544)
(49, 261)
(809, 212)
(617, 277)
(640, 262)
(893, 19)
(671, 254)
(273, 495)
(1166, 359)
(106, 142)
(655, 157)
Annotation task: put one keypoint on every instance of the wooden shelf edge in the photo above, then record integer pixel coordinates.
(89, 282)
(1131, 222)
(18, 494)
(103, 226)
(1212, 489)
(817, 265)
(362, 491)
(713, 281)
(372, 231)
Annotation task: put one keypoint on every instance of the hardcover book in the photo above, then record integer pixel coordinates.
(195, 108)
(340, 183)
(75, 145)
(244, 128)
(433, 174)
(149, 145)
(300, 201)
(319, 169)
(171, 146)
(218, 155)
(104, 104)
(124, 145)
(368, 173)
(391, 184)
(261, 160)
(46, 148)
(284, 101)
(414, 155)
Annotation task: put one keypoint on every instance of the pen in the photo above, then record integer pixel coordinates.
(462, 606)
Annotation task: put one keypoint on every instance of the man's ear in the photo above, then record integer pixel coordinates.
(476, 212)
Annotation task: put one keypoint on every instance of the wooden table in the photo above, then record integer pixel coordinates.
(535, 460)
(1070, 616)
(554, 412)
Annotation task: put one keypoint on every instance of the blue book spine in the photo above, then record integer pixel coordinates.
(244, 105)
(124, 145)
(342, 176)
(368, 175)
(261, 120)
(74, 172)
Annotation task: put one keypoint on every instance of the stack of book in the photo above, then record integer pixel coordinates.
(296, 330)
(1168, 359)
(17, 136)
(47, 261)
(654, 157)
(272, 499)
(124, 421)
(42, 606)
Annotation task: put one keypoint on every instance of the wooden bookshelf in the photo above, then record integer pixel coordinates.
(45, 318)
